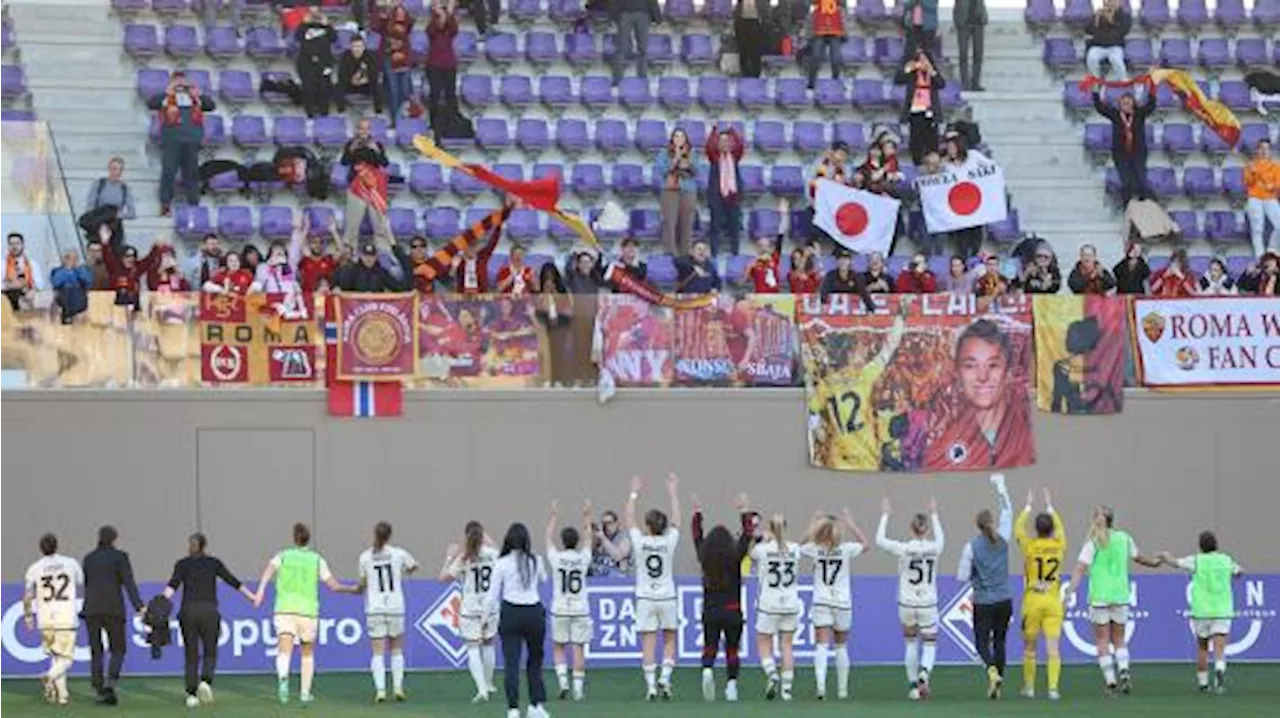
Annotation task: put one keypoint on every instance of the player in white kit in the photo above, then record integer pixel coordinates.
(472, 566)
(654, 551)
(777, 563)
(831, 555)
(52, 586)
(917, 592)
(570, 614)
(382, 572)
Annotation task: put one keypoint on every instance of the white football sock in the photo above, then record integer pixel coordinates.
(788, 677)
(927, 655)
(489, 653)
(912, 660)
(1108, 669)
(1220, 665)
(1202, 677)
(282, 665)
(378, 667)
(842, 669)
(307, 670)
(769, 667)
(579, 682)
(562, 676)
(397, 671)
(1122, 658)
(651, 677)
(668, 666)
(820, 667)
(475, 664)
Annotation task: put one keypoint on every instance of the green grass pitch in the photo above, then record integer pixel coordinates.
(1164, 690)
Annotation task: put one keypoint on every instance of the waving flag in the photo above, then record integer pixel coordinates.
(861, 221)
(972, 195)
(1213, 114)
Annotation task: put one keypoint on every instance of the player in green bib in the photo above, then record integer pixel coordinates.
(298, 572)
(1212, 606)
(1106, 556)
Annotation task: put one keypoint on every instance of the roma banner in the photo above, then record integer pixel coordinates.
(971, 196)
(258, 339)
(933, 382)
(478, 341)
(1080, 353)
(1207, 342)
(377, 336)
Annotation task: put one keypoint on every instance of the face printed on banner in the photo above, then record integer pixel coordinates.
(982, 367)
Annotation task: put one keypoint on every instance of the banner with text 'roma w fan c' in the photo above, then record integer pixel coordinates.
(377, 336)
(934, 382)
(1207, 342)
(972, 195)
(1080, 353)
(478, 341)
(258, 339)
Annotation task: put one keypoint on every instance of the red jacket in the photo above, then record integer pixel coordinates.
(828, 18)
(910, 282)
(237, 282)
(481, 268)
(311, 270)
(804, 282)
(764, 274)
(129, 279)
(1167, 286)
(510, 283)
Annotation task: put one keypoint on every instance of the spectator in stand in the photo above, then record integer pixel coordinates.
(515, 277)
(920, 25)
(371, 272)
(921, 109)
(991, 283)
(394, 23)
(959, 279)
(485, 12)
(1176, 280)
(1262, 179)
(209, 12)
(231, 278)
(279, 274)
(553, 305)
(250, 257)
(610, 547)
(844, 280)
(633, 18)
(582, 272)
(22, 275)
(181, 111)
(368, 192)
(109, 202)
(677, 166)
(97, 265)
(724, 181)
(1106, 32)
(316, 267)
(968, 241)
(696, 273)
(442, 61)
(1263, 278)
(1088, 276)
(471, 268)
(1129, 141)
(880, 173)
(127, 271)
(630, 262)
(833, 166)
(970, 19)
(419, 253)
(358, 74)
(315, 38)
(803, 277)
(877, 278)
(826, 36)
(1216, 282)
(167, 276)
(917, 278)
(932, 244)
(748, 30)
(1041, 275)
(1132, 272)
(71, 284)
(206, 261)
(764, 273)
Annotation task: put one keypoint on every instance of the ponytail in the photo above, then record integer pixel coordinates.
(778, 528)
(474, 533)
(986, 524)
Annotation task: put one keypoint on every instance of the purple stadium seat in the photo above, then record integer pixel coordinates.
(524, 225)
(718, 12)
(513, 171)
(476, 90)
(225, 183)
(753, 94)
(596, 91)
(661, 50)
(235, 223)
(887, 53)
(580, 50)
(713, 92)
(571, 135)
(1233, 182)
(634, 94)
(769, 136)
(697, 50)
(170, 7)
(696, 130)
(872, 12)
(202, 80)
(1138, 52)
(407, 128)
(1212, 144)
(141, 41)
(674, 93)
(949, 96)
(1234, 94)
(418, 45)
(556, 91)
(516, 90)
(441, 223)
(275, 222)
(129, 6)
(1251, 51)
(525, 10)
(852, 134)
(6, 34)
(289, 130)
(564, 11)
(540, 48)
(222, 43)
(426, 178)
(1154, 15)
(1167, 99)
(533, 136)
(190, 222)
(330, 132)
(1188, 224)
(612, 137)
(1097, 137)
(587, 179)
(791, 94)
(869, 94)
(752, 180)
(1060, 53)
(1192, 15)
(403, 223)
(501, 48)
(1198, 183)
(215, 131)
(263, 44)
(1229, 14)
(628, 179)
(464, 184)
(1178, 138)
(1225, 227)
(662, 270)
(1006, 232)
(339, 178)
(236, 86)
(1253, 133)
(831, 94)
(763, 223)
(1163, 182)
(787, 181)
(651, 135)
(249, 130)
(679, 11)
(466, 46)
(1040, 14)
(150, 83)
(808, 137)
(853, 53)
(492, 133)
(1213, 53)
(1076, 13)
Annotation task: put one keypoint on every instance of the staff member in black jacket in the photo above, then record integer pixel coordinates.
(721, 556)
(197, 575)
(106, 571)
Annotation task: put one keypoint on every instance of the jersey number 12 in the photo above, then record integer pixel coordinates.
(847, 420)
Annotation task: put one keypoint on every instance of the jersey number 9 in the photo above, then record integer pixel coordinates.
(55, 587)
(921, 571)
(653, 566)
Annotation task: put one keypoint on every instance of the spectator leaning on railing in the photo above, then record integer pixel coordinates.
(1088, 276)
(1176, 280)
(516, 278)
(958, 280)
(877, 278)
(584, 273)
(1263, 278)
(804, 277)
(71, 284)
(631, 263)
(97, 265)
(231, 278)
(181, 111)
(1132, 272)
(725, 150)
(1215, 282)
(1041, 275)
(206, 261)
(371, 272)
(167, 275)
(1262, 178)
(1106, 32)
(317, 267)
(843, 280)
(991, 283)
(696, 273)
(917, 278)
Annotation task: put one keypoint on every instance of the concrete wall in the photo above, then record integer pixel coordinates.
(243, 466)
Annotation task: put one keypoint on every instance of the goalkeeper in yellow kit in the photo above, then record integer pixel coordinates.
(1042, 609)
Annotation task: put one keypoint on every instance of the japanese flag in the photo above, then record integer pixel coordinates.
(861, 221)
(971, 196)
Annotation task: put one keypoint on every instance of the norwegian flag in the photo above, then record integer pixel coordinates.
(363, 399)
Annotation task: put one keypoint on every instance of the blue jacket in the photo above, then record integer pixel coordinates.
(930, 18)
(689, 182)
(72, 287)
(689, 282)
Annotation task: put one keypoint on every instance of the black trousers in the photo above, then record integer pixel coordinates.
(485, 12)
(916, 38)
(750, 35)
(1132, 168)
(970, 37)
(991, 630)
(316, 79)
(442, 98)
(924, 135)
(113, 626)
(718, 622)
(180, 157)
(523, 627)
(968, 241)
(200, 625)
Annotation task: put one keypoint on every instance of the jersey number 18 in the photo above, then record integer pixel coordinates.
(480, 578)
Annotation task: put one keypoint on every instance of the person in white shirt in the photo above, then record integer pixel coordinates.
(831, 556)
(522, 623)
(51, 589)
(570, 614)
(777, 562)
(382, 571)
(473, 568)
(654, 550)
(917, 592)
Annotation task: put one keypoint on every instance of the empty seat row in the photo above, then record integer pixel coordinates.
(1180, 138)
(13, 81)
(1198, 183)
(1061, 53)
(1234, 94)
(1192, 15)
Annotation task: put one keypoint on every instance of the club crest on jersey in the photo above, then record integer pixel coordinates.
(440, 625)
(957, 452)
(956, 620)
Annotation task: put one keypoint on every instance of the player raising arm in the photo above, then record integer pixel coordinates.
(52, 586)
(1212, 606)
(473, 567)
(1106, 556)
(832, 554)
(382, 571)
(777, 563)
(570, 618)
(917, 591)
(298, 572)
(656, 610)
(1042, 611)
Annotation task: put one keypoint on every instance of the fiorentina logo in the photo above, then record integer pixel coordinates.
(440, 626)
(1153, 326)
(956, 620)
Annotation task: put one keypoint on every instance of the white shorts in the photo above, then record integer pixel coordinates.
(840, 619)
(656, 615)
(571, 629)
(477, 629)
(385, 625)
(58, 642)
(1210, 627)
(302, 628)
(924, 618)
(1104, 615)
(774, 623)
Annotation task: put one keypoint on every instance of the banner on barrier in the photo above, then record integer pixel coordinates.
(1159, 629)
(258, 339)
(377, 336)
(1207, 342)
(933, 382)
(478, 341)
(1080, 353)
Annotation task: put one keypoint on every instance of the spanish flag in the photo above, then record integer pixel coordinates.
(1212, 113)
(1080, 353)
